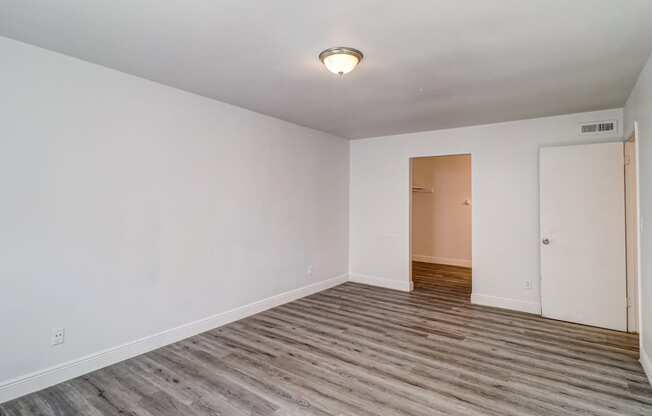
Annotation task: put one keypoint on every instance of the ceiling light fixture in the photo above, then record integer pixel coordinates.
(340, 60)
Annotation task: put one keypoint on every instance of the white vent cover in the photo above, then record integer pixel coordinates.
(598, 127)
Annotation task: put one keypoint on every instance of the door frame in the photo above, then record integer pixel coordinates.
(409, 192)
(634, 134)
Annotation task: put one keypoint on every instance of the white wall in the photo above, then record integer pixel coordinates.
(441, 222)
(129, 208)
(639, 109)
(505, 215)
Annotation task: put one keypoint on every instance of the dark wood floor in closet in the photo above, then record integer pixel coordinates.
(362, 350)
(442, 278)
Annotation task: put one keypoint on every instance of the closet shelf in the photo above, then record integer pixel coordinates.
(422, 190)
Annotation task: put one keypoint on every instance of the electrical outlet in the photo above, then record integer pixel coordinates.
(528, 284)
(58, 335)
(309, 271)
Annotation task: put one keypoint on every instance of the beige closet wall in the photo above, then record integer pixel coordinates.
(441, 221)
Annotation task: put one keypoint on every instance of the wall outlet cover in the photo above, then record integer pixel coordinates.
(58, 336)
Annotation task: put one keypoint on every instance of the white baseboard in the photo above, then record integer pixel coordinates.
(404, 285)
(646, 362)
(506, 303)
(41, 379)
(442, 260)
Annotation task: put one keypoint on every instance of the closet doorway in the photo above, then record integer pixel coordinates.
(441, 233)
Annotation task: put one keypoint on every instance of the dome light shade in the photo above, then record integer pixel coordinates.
(340, 60)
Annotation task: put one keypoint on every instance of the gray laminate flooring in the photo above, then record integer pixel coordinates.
(361, 350)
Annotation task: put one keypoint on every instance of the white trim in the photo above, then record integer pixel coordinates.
(506, 303)
(405, 286)
(639, 224)
(41, 379)
(646, 363)
(632, 280)
(442, 260)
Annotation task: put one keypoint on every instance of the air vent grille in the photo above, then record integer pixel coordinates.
(589, 128)
(599, 127)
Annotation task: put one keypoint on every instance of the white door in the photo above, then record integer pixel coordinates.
(583, 275)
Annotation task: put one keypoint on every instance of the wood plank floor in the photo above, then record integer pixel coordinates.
(361, 350)
(442, 278)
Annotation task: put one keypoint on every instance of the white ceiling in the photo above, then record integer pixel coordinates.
(429, 64)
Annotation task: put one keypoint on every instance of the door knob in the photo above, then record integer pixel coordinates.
(545, 241)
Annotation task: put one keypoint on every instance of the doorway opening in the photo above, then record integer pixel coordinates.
(440, 226)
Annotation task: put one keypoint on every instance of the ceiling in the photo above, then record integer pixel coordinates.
(429, 64)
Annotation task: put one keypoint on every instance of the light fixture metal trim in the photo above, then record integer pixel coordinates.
(341, 50)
